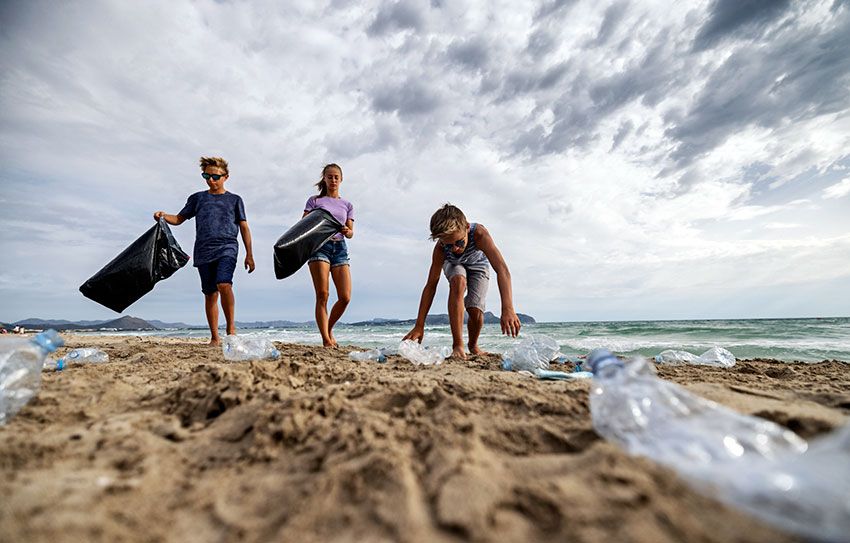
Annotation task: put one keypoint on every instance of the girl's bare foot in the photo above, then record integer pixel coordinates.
(457, 352)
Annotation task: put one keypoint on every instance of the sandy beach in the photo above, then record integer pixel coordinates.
(169, 442)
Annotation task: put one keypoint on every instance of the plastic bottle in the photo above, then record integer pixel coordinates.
(716, 356)
(425, 356)
(375, 355)
(86, 355)
(749, 462)
(20, 369)
(236, 348)
(532, 353)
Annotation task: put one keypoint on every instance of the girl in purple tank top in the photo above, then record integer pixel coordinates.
(331, 259)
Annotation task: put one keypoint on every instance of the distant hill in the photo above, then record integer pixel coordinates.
(121, 323)
(127, 323)
(441, 318)
(271, 324)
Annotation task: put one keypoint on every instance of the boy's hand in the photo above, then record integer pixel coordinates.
(249, 263)
(416, 334)
(510, 323)
(158, 214)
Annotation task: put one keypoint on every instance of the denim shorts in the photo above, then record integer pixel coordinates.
(215, 272)
(333, 252)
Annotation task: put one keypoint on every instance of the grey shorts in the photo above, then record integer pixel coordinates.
(477, 282)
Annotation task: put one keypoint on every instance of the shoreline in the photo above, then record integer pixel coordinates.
(169, 441)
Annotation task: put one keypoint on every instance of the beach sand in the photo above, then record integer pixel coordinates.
(168, 442)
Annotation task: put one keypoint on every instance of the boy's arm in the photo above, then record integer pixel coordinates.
(246, 239)
(437, 259)
(509, 320)
(174, 220)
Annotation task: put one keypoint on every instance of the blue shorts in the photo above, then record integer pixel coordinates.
(333, 252)
(215, 272)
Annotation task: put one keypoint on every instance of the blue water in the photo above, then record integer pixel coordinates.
(807, 340)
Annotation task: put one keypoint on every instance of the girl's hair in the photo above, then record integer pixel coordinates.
(446, 220)
(216, 161)
(323, 188)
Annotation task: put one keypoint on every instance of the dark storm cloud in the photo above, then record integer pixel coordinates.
(610, 21)
(553, 7)
(540, 43)
(395, 17)
(622, 133)
(469, 53)
(585, 100)
(796, 77)
(729, 18)
(409, 98)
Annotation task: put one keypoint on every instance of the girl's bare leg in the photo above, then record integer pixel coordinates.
(319, 271)
(341, 276)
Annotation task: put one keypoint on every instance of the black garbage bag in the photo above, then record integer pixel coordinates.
(294, 247)
(155, 256)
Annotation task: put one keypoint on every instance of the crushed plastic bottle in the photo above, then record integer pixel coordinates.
(237, 348)
(374, 355)
(716, 356)
(532, 353)
(21, 360)
(748, 462)
(424, 356)
(86, 355)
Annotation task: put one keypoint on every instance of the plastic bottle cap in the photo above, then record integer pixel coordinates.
(49, 340)
(600, 358)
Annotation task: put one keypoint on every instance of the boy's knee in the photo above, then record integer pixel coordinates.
(224, 287)
(457, 283)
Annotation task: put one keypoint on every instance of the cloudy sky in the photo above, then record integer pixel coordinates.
(633, 160)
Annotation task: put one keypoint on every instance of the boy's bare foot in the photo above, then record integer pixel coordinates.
(215, 342)
(457, 352)
(475, 349)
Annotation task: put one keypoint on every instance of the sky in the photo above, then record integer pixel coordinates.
(632, 160)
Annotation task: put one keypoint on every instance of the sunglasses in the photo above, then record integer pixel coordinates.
(460, 244)
(215, 176)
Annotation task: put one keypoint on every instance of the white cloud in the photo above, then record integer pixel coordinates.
(838, 190)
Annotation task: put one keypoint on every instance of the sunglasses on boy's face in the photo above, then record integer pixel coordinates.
(460, 244)
(215, 176)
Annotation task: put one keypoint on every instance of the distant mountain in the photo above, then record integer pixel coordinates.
(271, 324)
(441, 318)
(164, 325)
(127, 323)
(122, 323)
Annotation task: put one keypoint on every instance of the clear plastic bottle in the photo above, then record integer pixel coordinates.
(424, 356)
(20, 369)
(716, 356)
(532, 353)
(375, 355)
(86, 355)
(238, 348)
(749, 462)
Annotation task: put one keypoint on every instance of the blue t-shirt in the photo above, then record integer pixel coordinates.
(217, 218)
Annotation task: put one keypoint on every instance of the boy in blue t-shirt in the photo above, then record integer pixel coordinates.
(219, 217)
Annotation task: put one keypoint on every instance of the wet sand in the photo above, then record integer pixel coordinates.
(169, 442)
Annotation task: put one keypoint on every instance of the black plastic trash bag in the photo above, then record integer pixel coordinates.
(155, 256)
(294, 248)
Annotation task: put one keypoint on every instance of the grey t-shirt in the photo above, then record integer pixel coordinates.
(217, 218)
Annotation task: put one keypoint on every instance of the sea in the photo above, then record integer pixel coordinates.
(805, 340)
